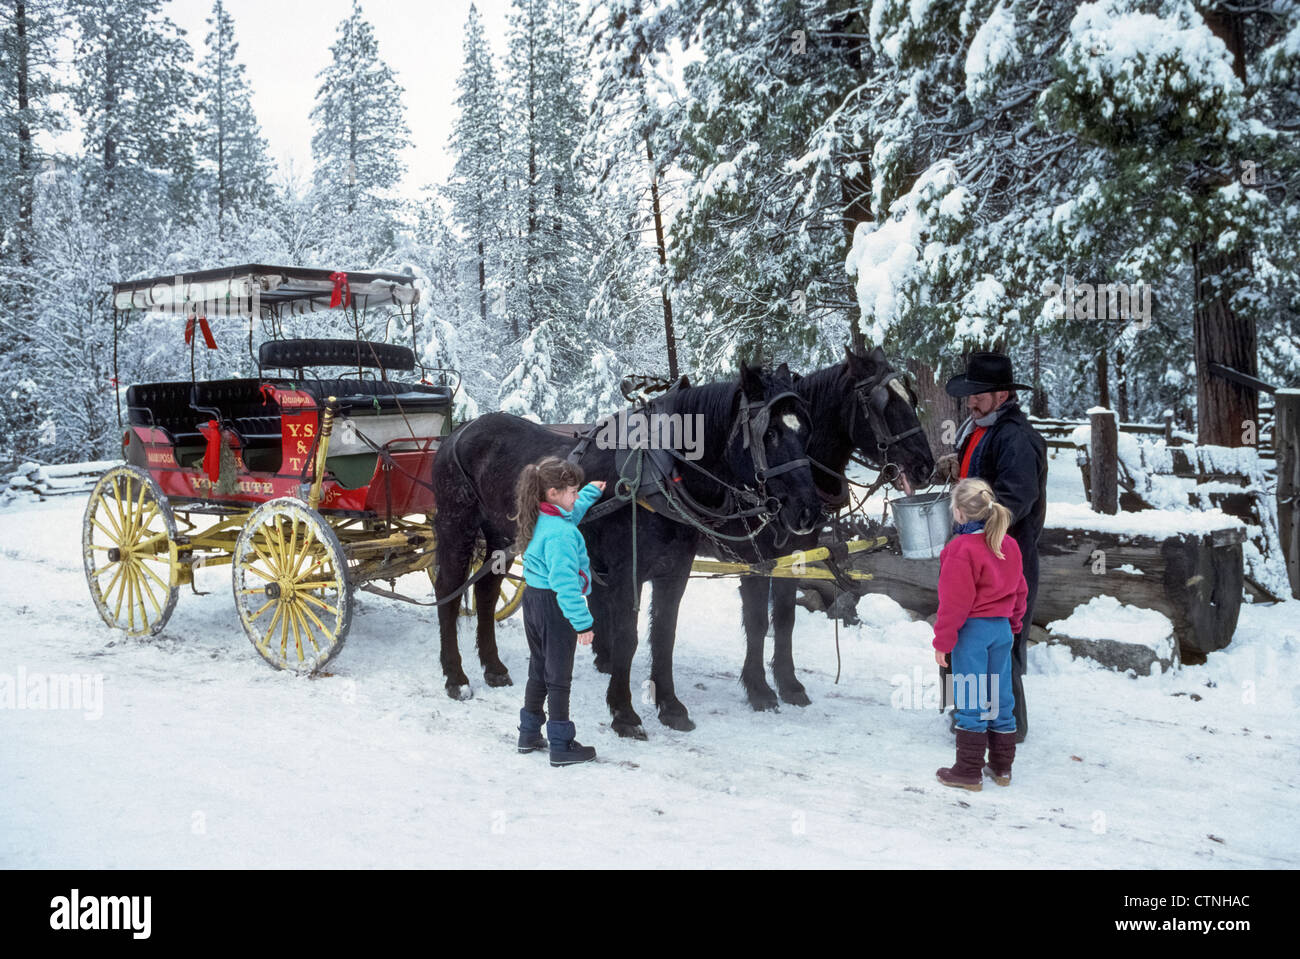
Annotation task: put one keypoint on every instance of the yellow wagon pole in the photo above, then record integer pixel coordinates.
(322, 451)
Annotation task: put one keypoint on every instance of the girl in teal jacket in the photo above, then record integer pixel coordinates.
(557, 579)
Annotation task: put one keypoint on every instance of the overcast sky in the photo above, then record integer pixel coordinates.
(285, 43)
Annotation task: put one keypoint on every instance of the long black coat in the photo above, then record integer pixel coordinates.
(1013, 460)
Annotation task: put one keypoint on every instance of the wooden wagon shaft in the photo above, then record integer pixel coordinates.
(797, 565)
(716, 568)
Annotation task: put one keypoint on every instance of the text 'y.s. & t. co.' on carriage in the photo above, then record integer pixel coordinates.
(311, 478)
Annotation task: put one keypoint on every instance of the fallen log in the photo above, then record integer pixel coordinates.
(1195, 579)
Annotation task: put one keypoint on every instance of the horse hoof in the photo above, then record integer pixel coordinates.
(628, 730)
(460, 693)
(678, 721)
(498, 679)
(763, 700)
(796, 697)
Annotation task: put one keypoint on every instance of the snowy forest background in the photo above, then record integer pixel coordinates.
(665, 187)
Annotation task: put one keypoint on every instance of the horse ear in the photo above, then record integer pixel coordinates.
(750, 381)
(857, 363)
(683, 382)
(878, 357)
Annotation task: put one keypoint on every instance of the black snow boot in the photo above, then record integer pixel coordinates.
(565, 750)
(530, 731)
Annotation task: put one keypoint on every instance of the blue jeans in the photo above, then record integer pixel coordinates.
(981, 675)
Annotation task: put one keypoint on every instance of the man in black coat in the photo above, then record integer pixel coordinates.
(998, 445)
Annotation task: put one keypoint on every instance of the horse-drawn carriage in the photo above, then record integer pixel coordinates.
(310, 478)
(317, 476)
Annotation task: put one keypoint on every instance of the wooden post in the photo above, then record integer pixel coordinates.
(1286, 445)
(1169, 427)
(1104, 458)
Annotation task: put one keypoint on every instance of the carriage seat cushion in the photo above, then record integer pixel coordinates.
(165, 406)
(385, 396)
(258, 432)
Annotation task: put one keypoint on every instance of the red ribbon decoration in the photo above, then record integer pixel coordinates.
(342, 294)
(268, 393)
(203, 326)
(212, 455)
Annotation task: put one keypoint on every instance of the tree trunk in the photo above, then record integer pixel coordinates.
(1103, 379)
(26, 173)
(482, 283)
(941, 414)
(670, 334)
(1121, 385)
(1038, 405)
(1222, 335)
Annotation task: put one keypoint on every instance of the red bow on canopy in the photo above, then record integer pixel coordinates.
(203, 325)
(342, 295)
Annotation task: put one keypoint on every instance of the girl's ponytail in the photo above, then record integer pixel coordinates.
(995, 528)
(528, 493)
(974, 498)
(550, 472)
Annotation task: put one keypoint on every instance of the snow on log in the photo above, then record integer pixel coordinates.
(1119, 636)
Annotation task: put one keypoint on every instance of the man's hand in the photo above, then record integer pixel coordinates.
(946, 468)
(586, 638)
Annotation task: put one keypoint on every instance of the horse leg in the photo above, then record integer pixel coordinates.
(623, 638)
(602, 625)
(753, 601)
(792, 691)
(487, 592)
(454, 551)
(665, 601)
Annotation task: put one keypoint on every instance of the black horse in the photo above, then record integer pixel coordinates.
(860, 403)
(751, 456)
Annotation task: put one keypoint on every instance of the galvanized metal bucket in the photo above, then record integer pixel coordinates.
(924, 524)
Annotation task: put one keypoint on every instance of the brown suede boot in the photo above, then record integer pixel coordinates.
(965, 772)
(1002, 753)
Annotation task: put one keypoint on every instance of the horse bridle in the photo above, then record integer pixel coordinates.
(753, 427)
(871, 396)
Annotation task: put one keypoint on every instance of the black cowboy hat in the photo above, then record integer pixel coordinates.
(985, 373)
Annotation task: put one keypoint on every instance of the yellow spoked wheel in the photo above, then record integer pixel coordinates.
(291, 586)
(511, 595)
(126, 537)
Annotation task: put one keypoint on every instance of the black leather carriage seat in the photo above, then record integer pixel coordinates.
(380, 395)
(165, 406)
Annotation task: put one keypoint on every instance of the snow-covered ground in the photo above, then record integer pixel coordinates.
(204, 757)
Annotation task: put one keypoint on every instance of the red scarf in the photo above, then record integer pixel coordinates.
(970, 450)
(549, 509)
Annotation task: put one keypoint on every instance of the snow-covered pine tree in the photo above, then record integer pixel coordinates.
(528, 390)
(134, 95)
(233, 154)
(360, 135)
(1160, 87)
(28, 32)
(554, 235)
(478, 179)
(760, 239)
(627, 129)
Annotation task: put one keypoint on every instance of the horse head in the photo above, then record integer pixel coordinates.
(768, 445)
(883, 420)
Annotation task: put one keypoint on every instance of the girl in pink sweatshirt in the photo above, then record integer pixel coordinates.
(981, 604)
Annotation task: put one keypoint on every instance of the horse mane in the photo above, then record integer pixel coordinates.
(714, 401)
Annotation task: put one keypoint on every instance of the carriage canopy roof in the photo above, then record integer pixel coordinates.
(244, 290)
